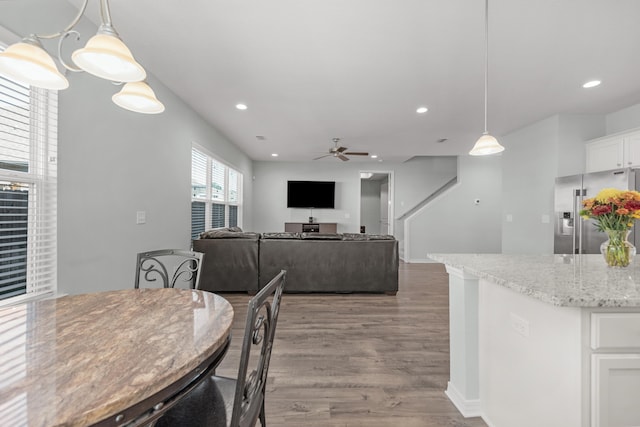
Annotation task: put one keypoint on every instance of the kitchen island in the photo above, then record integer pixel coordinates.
(544, 340)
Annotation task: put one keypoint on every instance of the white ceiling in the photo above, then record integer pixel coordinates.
(312, 70)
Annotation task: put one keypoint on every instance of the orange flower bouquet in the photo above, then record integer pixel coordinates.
(614, 212)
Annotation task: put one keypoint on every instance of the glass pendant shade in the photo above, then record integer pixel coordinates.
(27, 62)
(486, 145)
(107, 57)
(138, 97)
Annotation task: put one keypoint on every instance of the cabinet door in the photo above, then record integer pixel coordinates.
(328, 227)
(632, 150)
(605, 154)
(615, 387)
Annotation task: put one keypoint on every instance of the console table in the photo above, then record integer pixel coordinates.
(107, 358)
(311, 227)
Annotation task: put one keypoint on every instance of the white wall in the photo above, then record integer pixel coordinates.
(453, 223)
(113, 162)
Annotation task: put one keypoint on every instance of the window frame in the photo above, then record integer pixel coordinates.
(208, 198)
(41, 180)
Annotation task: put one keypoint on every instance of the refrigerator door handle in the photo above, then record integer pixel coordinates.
(577, 223)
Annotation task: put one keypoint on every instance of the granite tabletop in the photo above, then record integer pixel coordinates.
(79, 359)
(562, 280)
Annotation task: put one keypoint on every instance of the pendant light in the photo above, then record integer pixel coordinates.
(105, 55)
(29, 63)
(138, 97)
(486, 144)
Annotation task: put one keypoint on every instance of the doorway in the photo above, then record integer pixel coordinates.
(376, 202)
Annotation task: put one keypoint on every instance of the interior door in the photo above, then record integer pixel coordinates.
(384, 208)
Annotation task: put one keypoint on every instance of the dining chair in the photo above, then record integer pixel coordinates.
(237, 402)
(156, 265)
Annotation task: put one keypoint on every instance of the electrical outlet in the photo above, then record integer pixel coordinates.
(520, 325)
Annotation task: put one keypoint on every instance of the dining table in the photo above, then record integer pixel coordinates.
(109, 358)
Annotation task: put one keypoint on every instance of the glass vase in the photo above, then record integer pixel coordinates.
(617, 251)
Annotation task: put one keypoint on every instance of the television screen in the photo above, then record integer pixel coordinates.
(311, 194)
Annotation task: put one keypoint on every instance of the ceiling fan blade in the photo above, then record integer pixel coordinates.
(356, 153)
(340, 149)
(343, 158)
(322, 157)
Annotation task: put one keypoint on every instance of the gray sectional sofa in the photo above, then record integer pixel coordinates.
(237, 261)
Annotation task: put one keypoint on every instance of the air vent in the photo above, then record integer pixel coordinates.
(261, 138)
(441, 140)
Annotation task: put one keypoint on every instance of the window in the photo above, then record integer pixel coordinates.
(216, 194)
(28, 191)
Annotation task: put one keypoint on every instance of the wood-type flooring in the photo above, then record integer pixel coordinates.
(360, 359)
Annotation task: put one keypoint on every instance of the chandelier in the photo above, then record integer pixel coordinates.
(105, 55)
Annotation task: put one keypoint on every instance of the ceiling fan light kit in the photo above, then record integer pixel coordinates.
(486, 144)
(105, 55)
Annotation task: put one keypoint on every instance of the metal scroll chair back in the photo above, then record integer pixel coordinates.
(169, 267)
(236, 402)
(259, 334)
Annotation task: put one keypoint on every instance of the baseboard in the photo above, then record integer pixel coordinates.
(421, 261)
(468, 408)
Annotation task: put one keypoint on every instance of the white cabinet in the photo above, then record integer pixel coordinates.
(612, 152)
(632, 149)
(615, 369)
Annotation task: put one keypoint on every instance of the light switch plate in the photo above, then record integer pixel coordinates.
(141, 217)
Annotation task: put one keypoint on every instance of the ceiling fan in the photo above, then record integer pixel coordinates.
(341, 152)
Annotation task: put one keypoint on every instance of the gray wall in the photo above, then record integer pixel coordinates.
(113, 162)
(534, 156)
(625, 119)
(453, 223)
(413, 181)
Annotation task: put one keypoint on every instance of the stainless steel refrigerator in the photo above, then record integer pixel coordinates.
(573, 234)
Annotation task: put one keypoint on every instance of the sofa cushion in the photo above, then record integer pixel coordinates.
(380, 237)
(354, 236)
(281, 235)
(220, 233)
(320, 236)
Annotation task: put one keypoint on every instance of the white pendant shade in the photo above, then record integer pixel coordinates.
(486, 145)
(106, 56)
(28, 63)
(138, 97)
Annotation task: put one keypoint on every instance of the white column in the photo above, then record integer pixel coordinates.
(463, 387)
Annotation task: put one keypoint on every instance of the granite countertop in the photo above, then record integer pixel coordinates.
(562, 280)
(79, 359)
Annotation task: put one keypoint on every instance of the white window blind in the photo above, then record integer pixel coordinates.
(28, 191)
(216, 196)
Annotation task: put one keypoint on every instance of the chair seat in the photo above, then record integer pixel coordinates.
(209, 404)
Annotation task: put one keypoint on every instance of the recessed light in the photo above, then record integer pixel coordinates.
(422, 110)
(592, 83)
(274, 154)
(241, 106)
(374, 156)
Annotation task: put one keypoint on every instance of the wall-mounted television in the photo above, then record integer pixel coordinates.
(311, 194)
